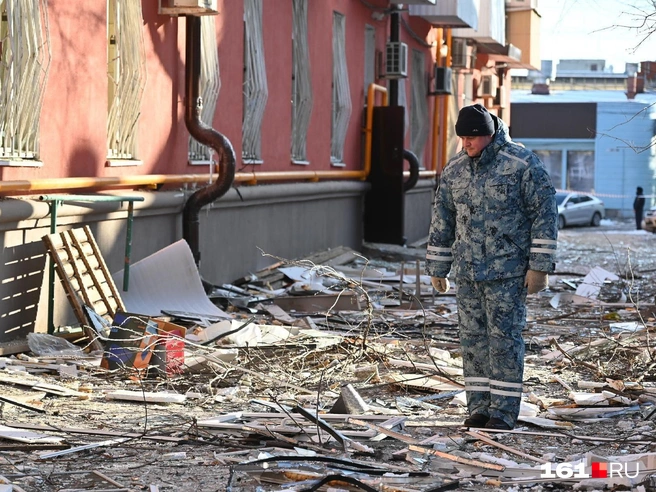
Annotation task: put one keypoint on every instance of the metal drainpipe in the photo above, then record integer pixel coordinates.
(414, 169)
(395, 36)
(205, 135)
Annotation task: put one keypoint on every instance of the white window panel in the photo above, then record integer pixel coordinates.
(419, 117)
(369, 57)
(127, 77)
(468, 95)
(553, 161)
(24, 63)
(301, 83)
(341, 100)
(210, 84)
(403, 101)
(256, 91)
(580, 170)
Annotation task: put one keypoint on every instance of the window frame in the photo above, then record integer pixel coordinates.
(125, 48)
(255, 87)
(24, 66)
(302, 98)
(341, 93)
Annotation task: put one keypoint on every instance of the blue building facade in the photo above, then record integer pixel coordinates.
(598, 142)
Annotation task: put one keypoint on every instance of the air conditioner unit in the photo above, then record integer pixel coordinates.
(462, 54)
(442, 81)
(487, 87)
(188, 7)
(396, 60)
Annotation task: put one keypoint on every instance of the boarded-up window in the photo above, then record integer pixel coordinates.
(419, 125)
(256, 90)
(24, 62)
(301, 83)
(341, 100)
(126, 70)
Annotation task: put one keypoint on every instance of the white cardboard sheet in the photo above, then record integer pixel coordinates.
(167, 280)
(26, 436)
(593, 281)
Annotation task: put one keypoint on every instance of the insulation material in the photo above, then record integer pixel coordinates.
(167, 280)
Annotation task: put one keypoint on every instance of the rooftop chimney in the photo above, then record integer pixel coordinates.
(631, 86)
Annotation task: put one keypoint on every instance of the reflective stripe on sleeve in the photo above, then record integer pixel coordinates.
(545, 241)
(477, 380)
(438, 254)
(477, 388)
(543, 250)
(503, 384)
(516, 394)
(436, 249)
(439, 258)
(477, 384)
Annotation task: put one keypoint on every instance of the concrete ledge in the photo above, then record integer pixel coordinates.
(29, 212)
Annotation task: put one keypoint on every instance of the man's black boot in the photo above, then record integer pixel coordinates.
(495, 423)
(477, 420)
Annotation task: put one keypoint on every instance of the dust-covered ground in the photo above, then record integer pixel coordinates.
(165, 449)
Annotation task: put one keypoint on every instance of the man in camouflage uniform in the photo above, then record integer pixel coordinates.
(494, 226)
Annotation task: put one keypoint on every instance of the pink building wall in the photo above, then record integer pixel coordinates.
(74, 114)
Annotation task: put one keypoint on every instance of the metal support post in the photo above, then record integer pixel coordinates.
(56, 201)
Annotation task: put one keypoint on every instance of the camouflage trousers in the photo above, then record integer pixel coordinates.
(492, 316)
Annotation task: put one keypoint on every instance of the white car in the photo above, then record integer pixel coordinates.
(579, 209)
(650, 220)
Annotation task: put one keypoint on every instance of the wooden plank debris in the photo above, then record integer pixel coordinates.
(59, 390)
(382, 430)
(319, 303)
(84, 276)
(32, 408)
(457, 459)
(95, 432)
(28, 437)
(426, 383)
(279, 415)
(76, 449)
(145, 396)
(84, 480)
(481, 437)
(13, 347)
(434, 368)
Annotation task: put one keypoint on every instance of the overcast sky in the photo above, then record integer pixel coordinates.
(592, 29)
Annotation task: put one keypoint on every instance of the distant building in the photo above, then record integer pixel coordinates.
(581, 66)
(575, 74)
(595, 141)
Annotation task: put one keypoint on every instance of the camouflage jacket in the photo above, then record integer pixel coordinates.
(494, 217)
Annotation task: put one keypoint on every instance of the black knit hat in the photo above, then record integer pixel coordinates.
(474, 121)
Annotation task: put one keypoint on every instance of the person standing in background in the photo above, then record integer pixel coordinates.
(494, 226)
(638, 207)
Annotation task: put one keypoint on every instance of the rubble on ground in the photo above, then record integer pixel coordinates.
(334, 372)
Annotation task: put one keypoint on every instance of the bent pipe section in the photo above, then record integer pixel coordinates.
(414, 170)
(205, 135)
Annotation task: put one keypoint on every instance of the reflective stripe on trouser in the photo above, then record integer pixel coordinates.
(492, 315)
